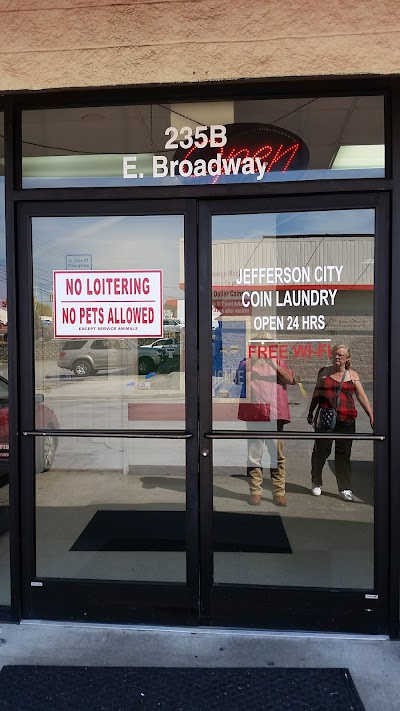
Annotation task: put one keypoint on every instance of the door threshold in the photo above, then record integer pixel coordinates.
(223, 631)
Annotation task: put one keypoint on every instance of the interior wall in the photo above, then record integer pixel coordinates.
(78, 43)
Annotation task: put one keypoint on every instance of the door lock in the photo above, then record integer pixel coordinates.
(205, 452)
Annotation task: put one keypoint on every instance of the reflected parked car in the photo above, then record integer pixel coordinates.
(169, 346)
(87, 356)
(172, 325)
(149, 359)
(45, 419)
(171, 349)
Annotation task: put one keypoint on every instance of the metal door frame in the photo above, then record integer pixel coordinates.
(278, 607)
(201, 601)
(102, 600)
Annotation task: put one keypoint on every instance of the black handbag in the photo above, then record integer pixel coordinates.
(325, 417)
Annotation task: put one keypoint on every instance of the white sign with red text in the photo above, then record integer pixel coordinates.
(103, 304)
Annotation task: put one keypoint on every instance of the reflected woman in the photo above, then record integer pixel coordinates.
(337, 378)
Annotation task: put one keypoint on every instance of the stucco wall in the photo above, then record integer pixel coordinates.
(77, 43)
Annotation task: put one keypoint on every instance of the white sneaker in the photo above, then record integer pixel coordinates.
(316, 491)
(346, 495)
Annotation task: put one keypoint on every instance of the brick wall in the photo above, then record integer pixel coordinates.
(354, 331)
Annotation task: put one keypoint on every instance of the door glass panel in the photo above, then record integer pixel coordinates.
(315, 541)
(108, 302)
(110, 509)
(108, 299)
(293, 305)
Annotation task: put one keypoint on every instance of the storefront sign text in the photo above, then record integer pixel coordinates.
(78, 261)
(284, 350)
(123, 304)
(233, 150)
(291, 297)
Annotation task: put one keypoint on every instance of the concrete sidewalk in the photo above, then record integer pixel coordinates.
(374, 662)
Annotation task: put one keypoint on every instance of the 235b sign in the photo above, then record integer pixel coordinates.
(202, 136)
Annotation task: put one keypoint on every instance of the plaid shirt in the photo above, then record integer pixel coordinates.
(326, 397)
(268, 399)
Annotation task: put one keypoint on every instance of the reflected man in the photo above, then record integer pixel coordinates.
(265, 378)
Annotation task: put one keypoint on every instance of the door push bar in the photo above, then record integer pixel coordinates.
(225, 434)
(131, 434)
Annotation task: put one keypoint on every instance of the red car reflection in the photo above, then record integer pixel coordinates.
(45, 420)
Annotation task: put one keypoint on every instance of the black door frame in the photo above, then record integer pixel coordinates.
(13, 104)
(104, 600)
(284, 607)
(293, 608)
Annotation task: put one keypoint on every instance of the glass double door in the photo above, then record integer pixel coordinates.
(172, 357)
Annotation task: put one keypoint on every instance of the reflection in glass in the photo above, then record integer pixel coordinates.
(337, 387)
(287, 288)
(265, 409)
(313, 542)
(97, 382)
(337, 137)
(112, 509)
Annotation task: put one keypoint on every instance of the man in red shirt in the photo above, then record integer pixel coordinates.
(266, 409)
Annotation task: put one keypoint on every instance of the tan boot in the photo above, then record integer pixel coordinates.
(254, 500)
(279, 499)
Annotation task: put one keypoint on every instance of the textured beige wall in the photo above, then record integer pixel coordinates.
(77, 43)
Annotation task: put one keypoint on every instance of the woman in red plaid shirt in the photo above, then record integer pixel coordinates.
(325, 393)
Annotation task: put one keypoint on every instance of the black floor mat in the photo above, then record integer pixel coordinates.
(45, 688)
(165, 531)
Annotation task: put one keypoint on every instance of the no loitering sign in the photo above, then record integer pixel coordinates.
(103, 304)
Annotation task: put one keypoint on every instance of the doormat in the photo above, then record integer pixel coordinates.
(166, 531)
(48, 688)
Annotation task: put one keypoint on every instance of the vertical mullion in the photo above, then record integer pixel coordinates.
(11, 153)
(27, 406)
(205, 410)
(381, 406)
(394, 579)
(191, 401)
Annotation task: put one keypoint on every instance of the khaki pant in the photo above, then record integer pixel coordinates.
(276, 461)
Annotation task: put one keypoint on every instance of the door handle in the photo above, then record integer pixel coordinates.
(246, 434)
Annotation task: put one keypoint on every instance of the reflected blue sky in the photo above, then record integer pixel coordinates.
(118, 242)
(323, 222)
